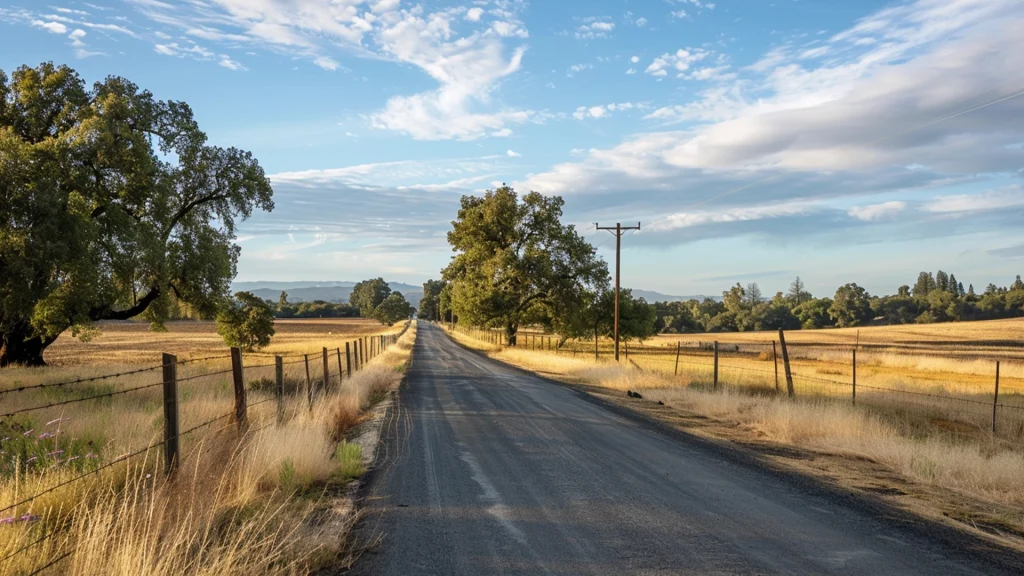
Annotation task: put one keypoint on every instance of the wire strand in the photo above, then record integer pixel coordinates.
(76, 400)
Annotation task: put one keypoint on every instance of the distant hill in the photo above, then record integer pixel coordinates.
(339, 291)
(327, 291)
(653, 297)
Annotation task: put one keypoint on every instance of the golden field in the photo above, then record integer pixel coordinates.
(945, 373)
(241, 502)
(132, 342)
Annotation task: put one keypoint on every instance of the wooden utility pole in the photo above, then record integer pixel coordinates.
(618, 230)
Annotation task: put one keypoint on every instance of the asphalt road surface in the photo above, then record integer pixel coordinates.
(488, 470)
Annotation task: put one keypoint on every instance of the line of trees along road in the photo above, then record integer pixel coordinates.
(516, 264)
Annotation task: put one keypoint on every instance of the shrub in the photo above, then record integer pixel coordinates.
(246, 322)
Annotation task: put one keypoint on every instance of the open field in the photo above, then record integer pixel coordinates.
(936, 442)
(241, 501)
(132, 342)
(943, 375)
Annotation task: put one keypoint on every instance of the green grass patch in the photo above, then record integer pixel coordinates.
(350, 460)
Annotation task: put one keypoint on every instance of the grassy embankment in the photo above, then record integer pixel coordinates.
(239, 503)
(916, 440)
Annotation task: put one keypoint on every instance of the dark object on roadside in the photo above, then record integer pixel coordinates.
(632, 394)
(660, 403)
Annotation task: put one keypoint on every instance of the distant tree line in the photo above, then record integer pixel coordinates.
(933, 298)
(369, 299)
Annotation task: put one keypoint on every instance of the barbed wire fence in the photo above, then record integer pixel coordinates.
(319, 374)
(998, 410)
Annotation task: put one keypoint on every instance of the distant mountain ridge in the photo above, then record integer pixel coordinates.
(651, 297)
(339, 291)
(308, 291)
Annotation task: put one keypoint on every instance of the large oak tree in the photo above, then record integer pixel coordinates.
(111, 204)
(516, 262)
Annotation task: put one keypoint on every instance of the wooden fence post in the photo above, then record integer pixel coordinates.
(239, 378)
(309, 382)
(341, 372)
(716, 365)
(775, 361)
(279, 387)
(678, 347)
(170, 413)
(348, 360)
(362, 352)
(785, 364)
(995, 399)
(327, 372)
(854, 376)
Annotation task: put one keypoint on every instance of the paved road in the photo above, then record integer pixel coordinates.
(490, 471)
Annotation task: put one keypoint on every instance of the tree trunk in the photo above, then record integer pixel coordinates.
(510, 334)
(19, 346)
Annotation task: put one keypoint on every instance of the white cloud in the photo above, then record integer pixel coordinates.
(194, 51)
(594, 28)
(513, 154)
(326, 62)
(874, 212)
(230, 64)
(679, 62)
(51, 27)
(71, 11)
(631, 71)
(467, 66)
(575, 68)
(852, 126)
(641, 22)
(634, 59)
(1012, 197)
(743, 214)
(603, 111)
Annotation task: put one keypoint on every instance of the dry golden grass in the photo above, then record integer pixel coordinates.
(910, 439)
(132, 342)
(239, 504)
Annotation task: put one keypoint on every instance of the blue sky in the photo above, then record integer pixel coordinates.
(755, 141)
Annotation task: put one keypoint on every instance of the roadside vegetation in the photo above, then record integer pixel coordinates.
(269, 500)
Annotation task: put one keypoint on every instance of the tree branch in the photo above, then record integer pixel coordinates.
(188, 208)
(107, 313)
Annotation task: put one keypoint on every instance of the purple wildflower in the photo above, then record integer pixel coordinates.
(46, 435)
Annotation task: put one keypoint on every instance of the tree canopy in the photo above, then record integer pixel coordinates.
(112, 204)
(246, 322)
(393, 309)
(430, 303)
(369, 294)
(515, 262)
